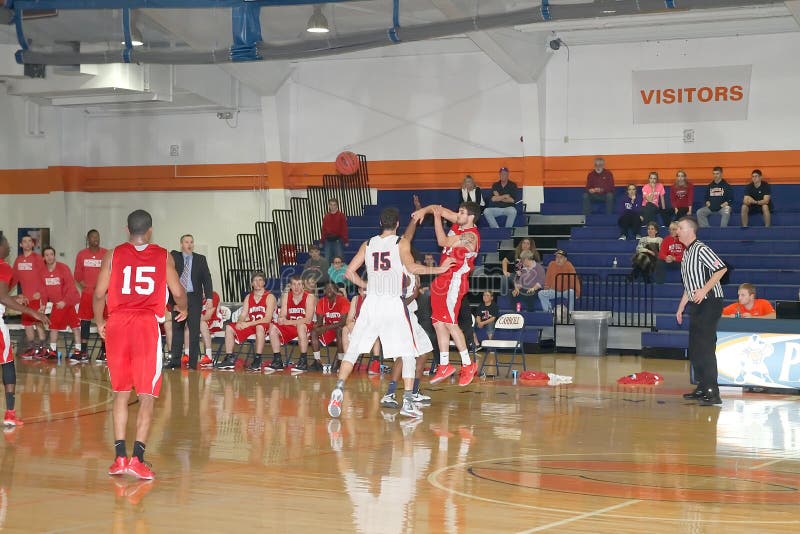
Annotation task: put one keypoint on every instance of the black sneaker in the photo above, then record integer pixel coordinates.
(316, 366)
(710, 398)
(255, 365)
(301, 366)
(275, 365)
(100, 357)
(74, 358)
(228, 363)
(694, 395)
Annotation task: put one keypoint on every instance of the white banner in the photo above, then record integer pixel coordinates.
(691, 95)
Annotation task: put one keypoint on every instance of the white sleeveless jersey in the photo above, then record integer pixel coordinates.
(385, 270)
(410, 286)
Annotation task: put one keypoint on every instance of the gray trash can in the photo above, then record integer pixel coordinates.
(591, 332)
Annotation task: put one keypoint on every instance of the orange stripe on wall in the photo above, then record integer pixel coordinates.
(552, 171)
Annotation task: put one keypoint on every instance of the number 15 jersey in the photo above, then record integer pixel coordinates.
(138, 279)
(384, 268)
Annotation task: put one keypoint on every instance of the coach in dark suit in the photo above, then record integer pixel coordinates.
(196, 279)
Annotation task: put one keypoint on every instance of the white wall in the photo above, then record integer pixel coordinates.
(598, 116)
(18, 149)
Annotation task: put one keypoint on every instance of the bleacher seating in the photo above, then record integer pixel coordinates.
(766, 257)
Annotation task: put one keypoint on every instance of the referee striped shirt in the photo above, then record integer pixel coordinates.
(698, 265)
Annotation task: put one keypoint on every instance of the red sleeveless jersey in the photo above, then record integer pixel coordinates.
(332, 313)
(138, 280)
(464, 259)
(296, 310)
(257, 309)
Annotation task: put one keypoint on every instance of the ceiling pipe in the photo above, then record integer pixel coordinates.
(374, 38)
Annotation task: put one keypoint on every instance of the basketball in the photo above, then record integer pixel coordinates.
(347, 163)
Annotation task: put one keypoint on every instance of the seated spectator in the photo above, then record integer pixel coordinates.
(653, 201)
(718, 199)
(526, 243)
(425, 279)
(749, 306)
(257, 311)
(681, 196)
(599, 187)
(757, 199)
(294, 321)
(331, 314)
(315, 268)
(568, 287)
(334, 231)
(670, 254)
(469, 192)
(503, 201)
(646, 255)
(336, 274)
(630, 218)
(485, 315)
(528, 282)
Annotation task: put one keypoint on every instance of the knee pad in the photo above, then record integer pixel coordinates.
(9, 373)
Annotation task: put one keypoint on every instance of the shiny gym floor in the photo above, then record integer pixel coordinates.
(238, 452)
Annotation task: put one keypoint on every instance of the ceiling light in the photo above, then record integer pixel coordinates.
(136, 38)
(317, 23)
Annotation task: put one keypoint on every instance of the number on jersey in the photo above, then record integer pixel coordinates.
(381, 261)
(143, 284)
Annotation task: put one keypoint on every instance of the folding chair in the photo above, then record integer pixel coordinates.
(507, 336)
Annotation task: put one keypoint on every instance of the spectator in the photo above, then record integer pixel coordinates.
(502, 204)
(336, 274)
(485, 316)
(568, 287)
(748, 305)
(629, 218)
(526, 243)
(426, 279)
(599, 187)
(529, 280)
(646, 255)
(653, 202)
(334, 231)
(681, 196)
(757, 198)
(315, 268)
(719, 197)
(670, 254)
(469, 192)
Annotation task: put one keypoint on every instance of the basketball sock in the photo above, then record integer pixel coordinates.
(316, 355)
(53, 346)
(120, 449)
(416, 386)
(78, 346)
(138, 450)
(444, 358)
(340, 356)
(10, 401)
(210, 353)
(465, 357)
(340, 384)
(392, 387)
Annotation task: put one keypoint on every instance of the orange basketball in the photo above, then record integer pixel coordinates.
(347, 163)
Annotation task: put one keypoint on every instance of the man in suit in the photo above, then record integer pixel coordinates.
(196, 280)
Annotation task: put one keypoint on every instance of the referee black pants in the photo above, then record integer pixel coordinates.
(703, 319)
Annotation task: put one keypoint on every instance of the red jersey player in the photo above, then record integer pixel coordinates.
(60, 291)
(257, 310)
(332, 311)
(6, 354)
(210, 323)
(462, 244)
(28, 273)
(87, 268)
(135, 275)
(294, 322)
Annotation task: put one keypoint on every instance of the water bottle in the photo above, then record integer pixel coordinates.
(614, 263)
(519, 307)
(59, 356)
(738, 314)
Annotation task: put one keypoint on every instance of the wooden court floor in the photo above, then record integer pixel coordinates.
(236, 452)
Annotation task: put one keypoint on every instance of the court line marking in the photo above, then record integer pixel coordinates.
(581, 516)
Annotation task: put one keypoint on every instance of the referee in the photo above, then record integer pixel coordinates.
(701, 271)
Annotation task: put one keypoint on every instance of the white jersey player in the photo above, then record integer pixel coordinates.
(384, 315)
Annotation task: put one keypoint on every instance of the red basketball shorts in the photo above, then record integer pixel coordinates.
(241, 334)
(6, 354)
(85, 310)
(66, 317)
(288, 332)
(29, 320)
(328, 337)
(446, 295)
(133, 348)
